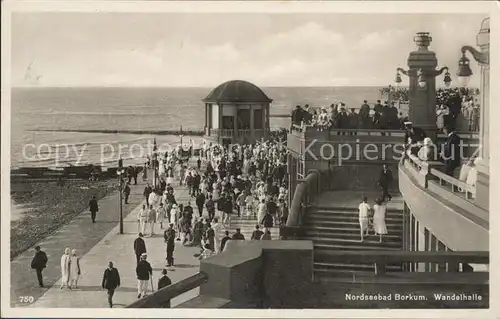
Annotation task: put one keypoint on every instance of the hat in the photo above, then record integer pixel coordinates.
(141, 235)
(164, 272)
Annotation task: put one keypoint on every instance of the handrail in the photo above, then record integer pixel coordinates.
(425, 172)
(162, 297)
(381, 258)
(457, 186)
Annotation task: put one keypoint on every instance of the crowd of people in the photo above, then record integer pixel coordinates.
(380, 116)
(455, 107)
(247, 181)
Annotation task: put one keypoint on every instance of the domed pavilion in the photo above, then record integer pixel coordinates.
(236, 112)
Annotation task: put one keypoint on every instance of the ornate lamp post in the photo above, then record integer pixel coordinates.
(464, 72)
(155, 159)
(119, 173)
(422, 72)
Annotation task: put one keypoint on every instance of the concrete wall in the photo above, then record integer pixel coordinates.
(257, 272)
(448, 220)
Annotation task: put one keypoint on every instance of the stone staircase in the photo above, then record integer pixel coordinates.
(247, 225)
(337, 228)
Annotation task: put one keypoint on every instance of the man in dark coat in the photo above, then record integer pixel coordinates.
(451, 151)
(415, 133)
(144, 271)
(147, 190)
(378, 107)
(139, 247)
(297, 115)
(39, 263)
(94, 208)
(169, 236)
(238, 235)
(130, 173)
(385, 181)
(224, 240)
(210, 205)
(200, 201)
(210, 236)
(110, 281)
(163, 282)
(126, 192)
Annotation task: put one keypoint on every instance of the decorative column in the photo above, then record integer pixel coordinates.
(422, 87)
(483, 58)
(236, 138)
(252, 125)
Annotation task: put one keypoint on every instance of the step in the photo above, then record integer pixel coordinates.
(350, 208)
(312, 227)
(355, 236)
(371, 240)
(351, 212)
(326, 266)
(346, 217)
(359, 246)
(392, 226)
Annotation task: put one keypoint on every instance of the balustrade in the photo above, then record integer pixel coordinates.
(428, 172)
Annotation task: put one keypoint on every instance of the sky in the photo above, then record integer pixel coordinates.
(200, 49)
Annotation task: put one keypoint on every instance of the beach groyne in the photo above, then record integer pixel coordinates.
(139, 132)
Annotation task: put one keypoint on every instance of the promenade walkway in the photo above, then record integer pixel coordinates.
(119, 249)
(80, 234)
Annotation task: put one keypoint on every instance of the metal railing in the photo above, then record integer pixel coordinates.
(424, 172)
(162, 297)
(380, 259)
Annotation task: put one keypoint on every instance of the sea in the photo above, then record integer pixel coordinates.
(45, 121)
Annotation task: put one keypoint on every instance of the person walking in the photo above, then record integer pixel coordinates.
(257, 233)
(379, 212)
(238, 235)
(65, 260)
(74, 270)
(169, 236)
(364, 211)
(142, 219)
(385, 181)
(210, 205)
(200, 202)
(160, 215)
(216, 226)
(94, 208)
(152, 219)
(144, 272)
(210, 236)
(39, 263)
(163, 282)
(224, 240)
(147, 191)
(139, 247)
(110, 281)
(126, 192)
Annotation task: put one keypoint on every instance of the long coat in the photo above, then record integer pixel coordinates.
(139, 246)
(39, 260)
(111, 278)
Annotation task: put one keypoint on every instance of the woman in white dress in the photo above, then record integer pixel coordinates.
(74, 270)
(65, 261)
(379, 226)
